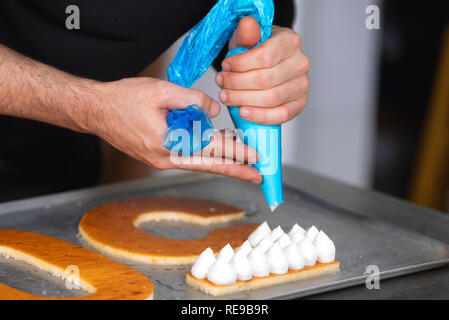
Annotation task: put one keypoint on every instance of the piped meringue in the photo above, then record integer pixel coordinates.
(274, 252)
(202, 264)
(245, 248)
(297, 237)
(294, 257)
(226, 253)
(324, 247)
(276, 233)
(222, 272)
(277, 260)
(261, 232)
(296, 227)
(265, 244)
(242, 266)
(283, 241)
(311, 233)
(259, 263)
(307, 250)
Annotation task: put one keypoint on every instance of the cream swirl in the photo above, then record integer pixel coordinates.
(277, 260)
(297, 236)
(226, 253)
(221, 272)
(276, 233)
(261, 232)
(296, 227)
(259, 263)
(265, 244)
(311, 233)
(284, 241)
(245, 248)
(294, 257)
(203, 263)
(242, 266)
(307, 250)
(324, 248)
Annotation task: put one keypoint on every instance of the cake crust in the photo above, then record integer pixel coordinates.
(113, 228)
(102, 277)
(307, 272)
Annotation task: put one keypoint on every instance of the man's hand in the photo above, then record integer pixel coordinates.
(130, 114)
(269, 82)
(132, 117)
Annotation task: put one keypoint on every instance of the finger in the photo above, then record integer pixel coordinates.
(276, 115)
(246, 35)
(234, 170)
(282, 44)
(229, 133)
(286, 92)
(267, 78)
(177, 97)
(225, 145)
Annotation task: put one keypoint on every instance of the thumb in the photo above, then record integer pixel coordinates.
(246, 35)
(177, 97)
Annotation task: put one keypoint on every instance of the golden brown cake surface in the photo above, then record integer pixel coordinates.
(102, 277)
(113, 228)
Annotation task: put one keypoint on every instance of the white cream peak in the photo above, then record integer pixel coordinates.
(297, 237)
(226, 253)
(245, 248)
(276, 233)
(283, 241)
(261, 232)
(242, 266)
(294, 257)
(203, 263)
(311, 233)
(296, 227)
(307, 250)
(259, 263)
(221, 272)
(277, 260)
(324, 248)
(265, 244)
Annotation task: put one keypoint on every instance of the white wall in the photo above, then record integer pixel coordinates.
(333, 136)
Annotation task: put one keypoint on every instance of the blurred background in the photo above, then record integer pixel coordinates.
(378, 110)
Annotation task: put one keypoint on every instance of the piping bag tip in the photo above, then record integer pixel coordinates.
(273, 207)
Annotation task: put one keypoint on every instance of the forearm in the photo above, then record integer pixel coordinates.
(32, 90)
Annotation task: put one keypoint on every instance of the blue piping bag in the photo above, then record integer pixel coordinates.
(197, 52)
(266, 139)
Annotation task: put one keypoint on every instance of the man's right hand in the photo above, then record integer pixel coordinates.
(131, 116)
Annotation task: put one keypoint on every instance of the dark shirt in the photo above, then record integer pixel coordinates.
(116, 39)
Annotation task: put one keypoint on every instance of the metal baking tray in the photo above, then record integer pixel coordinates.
(360, 241)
